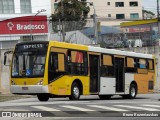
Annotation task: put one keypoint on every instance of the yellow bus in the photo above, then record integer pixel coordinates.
(51, 69)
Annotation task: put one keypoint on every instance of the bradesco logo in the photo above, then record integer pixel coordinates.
(29, 27)
(26, 27)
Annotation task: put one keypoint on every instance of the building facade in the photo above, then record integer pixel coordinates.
(112, 12)
(21, 9)
(21, 20)
(118, 9)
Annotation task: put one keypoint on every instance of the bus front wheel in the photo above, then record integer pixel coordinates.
(75, 92)
(43, 97)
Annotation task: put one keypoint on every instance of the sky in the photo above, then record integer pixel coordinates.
(150, 5)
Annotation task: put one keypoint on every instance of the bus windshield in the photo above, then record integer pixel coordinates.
(29, 63)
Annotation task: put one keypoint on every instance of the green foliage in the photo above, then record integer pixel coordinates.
(72, 10)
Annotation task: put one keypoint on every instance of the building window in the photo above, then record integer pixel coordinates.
(109, 15)
(108, 3)
(7, 6)
(55, 5)
(134, 16)
(120, 16)
(133, 4)
(119, 4)
(25, 6)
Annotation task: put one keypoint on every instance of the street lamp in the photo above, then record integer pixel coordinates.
(38, 12)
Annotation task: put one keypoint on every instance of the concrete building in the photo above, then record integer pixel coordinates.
(112, 12)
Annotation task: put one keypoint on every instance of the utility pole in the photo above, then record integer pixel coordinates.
(38, 12)
(63, 31)
(95, 23)
(158, 17)
(95, 26)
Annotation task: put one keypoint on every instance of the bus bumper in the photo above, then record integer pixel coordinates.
(29, 89)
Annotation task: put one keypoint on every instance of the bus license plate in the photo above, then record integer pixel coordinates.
(24, 88)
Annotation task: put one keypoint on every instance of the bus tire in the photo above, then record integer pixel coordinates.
(132, 91)
(43, 97)
(75, 91)
(104, 97)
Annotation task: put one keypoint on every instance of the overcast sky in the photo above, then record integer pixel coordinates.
(150, 5)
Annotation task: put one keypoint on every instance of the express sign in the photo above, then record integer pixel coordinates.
(24, 25)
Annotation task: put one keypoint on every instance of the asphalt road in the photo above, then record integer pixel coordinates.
(144, 107)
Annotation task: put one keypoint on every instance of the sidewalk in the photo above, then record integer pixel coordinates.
(5, 95)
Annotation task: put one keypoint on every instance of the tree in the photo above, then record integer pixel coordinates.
(70, 10)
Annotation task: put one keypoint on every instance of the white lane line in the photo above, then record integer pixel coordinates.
(108, 108)
(45, 108)
(156, 106)
(77, 108)
(135, 107)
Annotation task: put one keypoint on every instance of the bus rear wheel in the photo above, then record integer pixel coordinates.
(43, 97)
(132, 91)
(75, 92)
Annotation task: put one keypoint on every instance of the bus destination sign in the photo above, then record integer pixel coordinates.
(32, 46)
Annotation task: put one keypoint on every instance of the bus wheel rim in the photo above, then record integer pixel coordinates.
(133, 91)
(76, 91)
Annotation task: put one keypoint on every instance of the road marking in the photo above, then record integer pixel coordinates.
(45, 108)
(134, 107)
(77, 108)
(107, 108)
(152, 106)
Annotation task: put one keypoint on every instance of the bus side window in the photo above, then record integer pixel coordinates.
(53, 62)
(107, 68)
(77, 63)
(131, 65)
(61, 62)
(150, 65)
(57, 62)
(142, 64)
(130, 62)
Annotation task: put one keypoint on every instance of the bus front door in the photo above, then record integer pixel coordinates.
(119, 72)
(94, 65)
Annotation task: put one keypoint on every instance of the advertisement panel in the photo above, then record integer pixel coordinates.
(24, 25)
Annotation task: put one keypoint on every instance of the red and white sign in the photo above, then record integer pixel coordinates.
(24, 25)
(134, 30)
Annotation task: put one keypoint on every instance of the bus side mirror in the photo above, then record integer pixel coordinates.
(5, 58)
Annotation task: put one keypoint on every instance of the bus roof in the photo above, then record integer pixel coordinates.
(120, 52)
(93, 49)
(102, 50)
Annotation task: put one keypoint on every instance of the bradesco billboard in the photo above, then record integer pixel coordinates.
(24, 25)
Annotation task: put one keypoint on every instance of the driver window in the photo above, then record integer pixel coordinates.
(57, 63)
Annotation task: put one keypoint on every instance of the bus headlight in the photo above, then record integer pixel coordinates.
(12, 82)
(40, 82)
